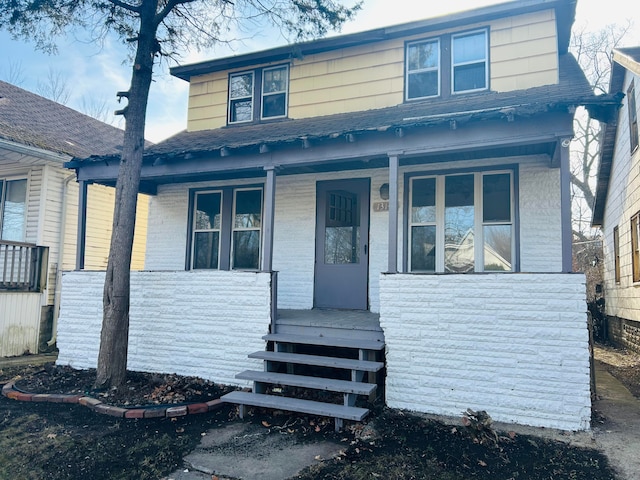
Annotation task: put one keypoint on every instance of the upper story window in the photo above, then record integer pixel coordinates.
(450, 64)
(423, 69)
(461, 223)
(633, 116)
(258, 94)
(469, 63)
(13, 209)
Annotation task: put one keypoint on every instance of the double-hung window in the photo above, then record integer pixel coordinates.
(258, 94)
(226, 228)
(633, 117)
(423, 69)
(13, 209)
(461, 223)
(469, 62)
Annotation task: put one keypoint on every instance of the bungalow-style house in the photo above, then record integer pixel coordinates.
(382, 213)
(617, 204)
(38, 212)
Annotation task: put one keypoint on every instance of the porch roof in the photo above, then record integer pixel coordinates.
(254, 141)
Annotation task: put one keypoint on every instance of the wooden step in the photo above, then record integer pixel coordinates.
(316, 383)
(325, 341)
(296, 405)
(319, 361)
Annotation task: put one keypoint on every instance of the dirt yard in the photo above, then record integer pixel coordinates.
(60, 441)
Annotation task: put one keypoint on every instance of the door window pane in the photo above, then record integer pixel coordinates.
(459, 221)
(497, 248)
(14, 210)
(342, 228)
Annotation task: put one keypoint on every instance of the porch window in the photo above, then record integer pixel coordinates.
(13, 209)
(469, 61)
(635, 252)
(616, 254)
(461, 223)
(633, 117)
(260, 94)
(226, 228)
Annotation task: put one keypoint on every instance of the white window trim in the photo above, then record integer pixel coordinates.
(285, 91)
(486, 61)
(234, 229)
(437, 69)
(478, 220)
(253, 100)
(194, 230)
(13, 178)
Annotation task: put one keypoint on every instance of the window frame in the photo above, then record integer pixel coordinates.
(635, 247)
(616, 254)
(633, 117)
(3, 193)
(195, 230)
(479, 224)
(485, 31)
(257, 95)
(235, 229)
(227, 210)
(437, 69)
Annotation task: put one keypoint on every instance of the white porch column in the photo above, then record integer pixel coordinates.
(268, 220)
(393, 214)
(565, 203)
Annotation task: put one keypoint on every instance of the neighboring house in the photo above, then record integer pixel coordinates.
(401, 193)
(38, 212)
(617, 205)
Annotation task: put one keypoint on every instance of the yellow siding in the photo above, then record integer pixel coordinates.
(523, 54)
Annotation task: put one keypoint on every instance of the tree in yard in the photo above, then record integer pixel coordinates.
(152, 29)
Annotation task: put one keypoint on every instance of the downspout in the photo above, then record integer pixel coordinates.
(58, 287)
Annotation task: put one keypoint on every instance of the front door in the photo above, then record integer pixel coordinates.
(342, 237)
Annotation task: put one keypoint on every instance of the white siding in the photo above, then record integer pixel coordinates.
(516, 346)
(200, 323)
(19, 323)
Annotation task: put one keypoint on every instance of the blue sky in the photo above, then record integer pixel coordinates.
(94, 73)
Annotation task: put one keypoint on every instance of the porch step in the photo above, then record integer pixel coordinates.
(296, 405)
(316, 383)
(319, 361)
(325, 341)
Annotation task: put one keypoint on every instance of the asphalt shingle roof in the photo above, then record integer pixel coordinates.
(32, 120)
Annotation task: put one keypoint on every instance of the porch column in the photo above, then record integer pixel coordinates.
(565, 203)
(82, 224)
(393, 214)
(269, 212)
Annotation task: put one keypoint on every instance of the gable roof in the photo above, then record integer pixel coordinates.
(623, 59)
(565, 15)
(32, 120)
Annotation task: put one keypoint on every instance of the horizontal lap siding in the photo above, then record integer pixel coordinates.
(523, 54)
(19, 323)
(191, 323)
(514, 345)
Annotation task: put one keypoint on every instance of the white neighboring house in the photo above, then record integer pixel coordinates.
(617, 206)
(38, 212)
(402, 194)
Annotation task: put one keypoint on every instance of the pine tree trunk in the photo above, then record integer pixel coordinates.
(114, 338)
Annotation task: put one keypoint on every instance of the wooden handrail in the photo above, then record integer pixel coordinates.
(23, 266)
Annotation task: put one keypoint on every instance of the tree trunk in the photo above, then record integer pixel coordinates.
(114, 338)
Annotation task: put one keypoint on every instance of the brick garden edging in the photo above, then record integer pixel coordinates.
(155, 411)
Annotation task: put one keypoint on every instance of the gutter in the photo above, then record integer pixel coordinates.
(35, 151)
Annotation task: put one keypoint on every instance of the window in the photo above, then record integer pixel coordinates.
(226, 228)
(635, 253)
(469, 65)
(616, 253)
(13, 209)
(447, 65)
(633, 117)
(423, 69)
(261, 93)
(461, 223)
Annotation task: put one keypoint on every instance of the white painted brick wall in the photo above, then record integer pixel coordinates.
(201, 323)
(513, 345)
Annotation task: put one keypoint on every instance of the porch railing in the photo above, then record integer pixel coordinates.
(23, 266)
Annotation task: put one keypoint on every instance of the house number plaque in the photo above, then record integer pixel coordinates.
(381, 206)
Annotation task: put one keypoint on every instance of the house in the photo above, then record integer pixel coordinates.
(400, 194)
(38, 212)
(617, 204)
